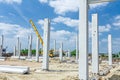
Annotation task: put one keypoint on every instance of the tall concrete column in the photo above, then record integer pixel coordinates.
(30, 47)
(45, 65)
(83, 40)
(19, 50)
(66, 54)
(110, 49)
(37, 49)
(18, 46)
(95, 47)
(61, 52)
(69, 55)
(14, 53)
(1, 51)
(1, 46)
(77, 48)
(54, 47)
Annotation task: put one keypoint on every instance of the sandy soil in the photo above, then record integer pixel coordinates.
(57, 70)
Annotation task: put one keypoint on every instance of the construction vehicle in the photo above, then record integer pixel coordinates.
(40, 38)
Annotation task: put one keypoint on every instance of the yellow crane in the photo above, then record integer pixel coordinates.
(38, 35)
(36, 31)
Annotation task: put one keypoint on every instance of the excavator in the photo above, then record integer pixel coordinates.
(40, 38)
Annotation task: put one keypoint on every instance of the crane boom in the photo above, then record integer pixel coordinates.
(36, 31)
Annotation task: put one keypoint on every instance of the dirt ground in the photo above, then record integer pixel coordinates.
(57, 70)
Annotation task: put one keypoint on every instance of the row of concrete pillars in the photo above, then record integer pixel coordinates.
(95, 51)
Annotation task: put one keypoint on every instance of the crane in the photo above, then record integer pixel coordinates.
(38, 35)
(36, 31)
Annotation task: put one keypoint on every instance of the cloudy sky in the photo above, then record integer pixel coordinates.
(15, 16)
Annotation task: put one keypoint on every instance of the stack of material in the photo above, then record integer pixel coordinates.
(14, 69)
(105, 71)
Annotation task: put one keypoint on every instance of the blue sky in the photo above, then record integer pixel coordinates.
(15, 16)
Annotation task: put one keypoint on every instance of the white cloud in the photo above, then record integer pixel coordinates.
(68, 38)
(115, 44)
(102, 29)
(43, 1)
(63, 6)
(67, 21)
(98, 5)
(116, 22)
(41, 23)
(105, 28)
(12, 31)
(104, 40)
(11, 1)
(1, 16)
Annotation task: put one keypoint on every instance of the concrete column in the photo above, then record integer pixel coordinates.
(14, 54)
(19, 50)
(54, 47)
(1, 51)
(69, 55)
(95, 51)
(66, 54)
(83, 40)
(61, 52)
(18, 46)
(77, 48)
(37, 49)
(110, 49)
(2, 41)
(30, 47)
(45, 65)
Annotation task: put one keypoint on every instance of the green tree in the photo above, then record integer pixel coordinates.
(33, 52)
(73, 53)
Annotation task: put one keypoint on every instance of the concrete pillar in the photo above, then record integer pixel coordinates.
(37, 49)
(69, 55)
(14, 54)
(45, 65)
(77, 48)
(1, 51)
(19, 50)
(54, 47)
(110, 49)
(18, 46)
(83, 40)
(95, 47)
(61, 52)
(66, 54)
(30, 47)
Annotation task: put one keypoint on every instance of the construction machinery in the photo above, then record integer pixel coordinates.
(38, 35)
